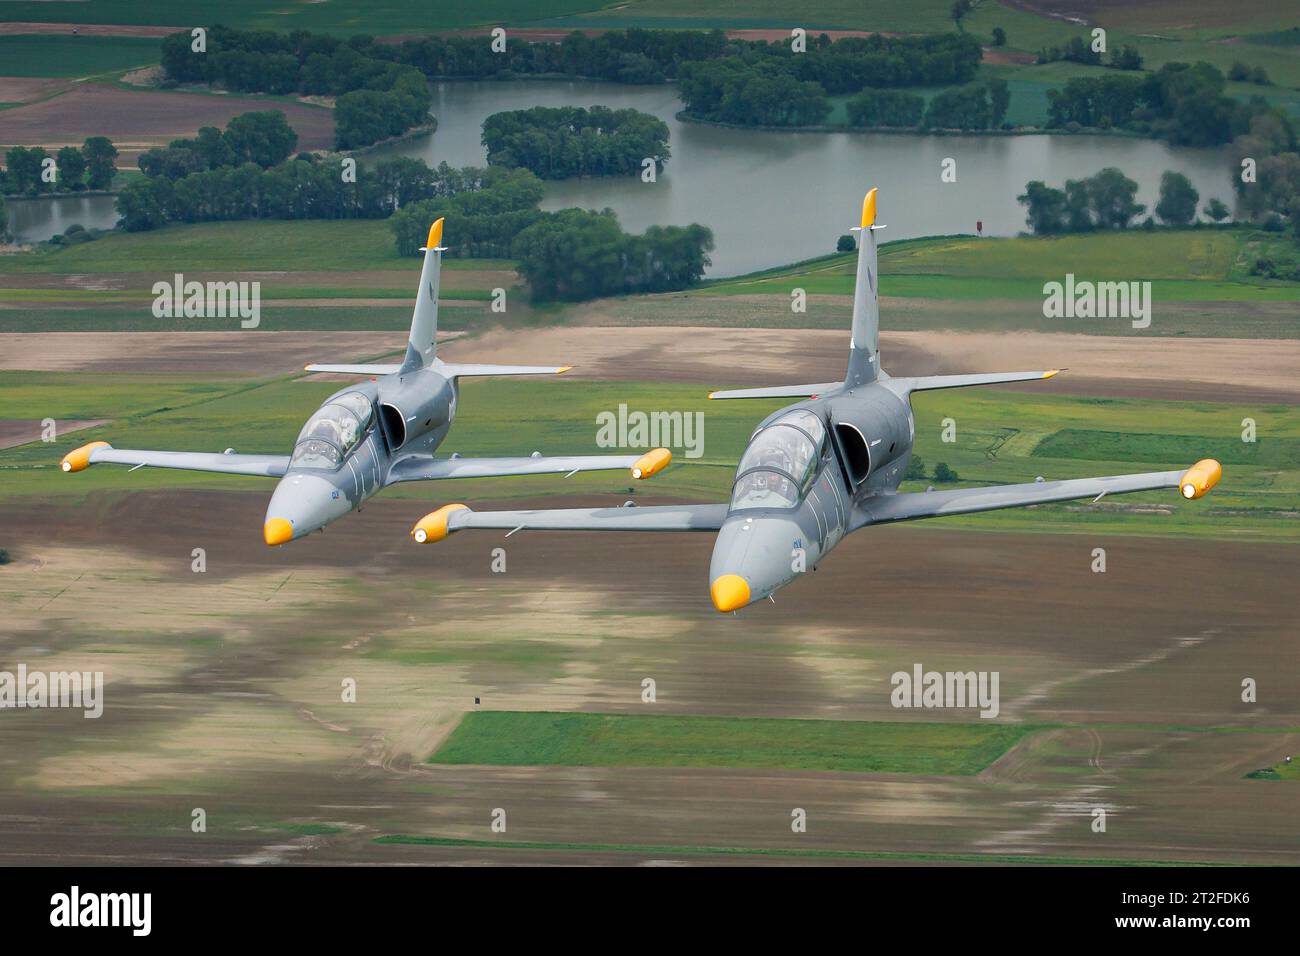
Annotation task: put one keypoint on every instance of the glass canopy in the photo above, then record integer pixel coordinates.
(780, 462)
(332, 432)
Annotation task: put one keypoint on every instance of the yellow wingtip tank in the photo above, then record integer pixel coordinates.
(1200, 478)
(433, 526)
(869, 209)
(79, 458)
(651, 462)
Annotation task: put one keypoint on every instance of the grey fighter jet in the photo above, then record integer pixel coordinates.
(373, 434)
(821, 468)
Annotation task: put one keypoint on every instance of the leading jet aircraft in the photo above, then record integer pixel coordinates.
(824, 467)
(373, 434)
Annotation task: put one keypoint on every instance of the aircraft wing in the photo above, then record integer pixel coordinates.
(438, 524)
(99, 452)
(1192, 483)
(418, 468)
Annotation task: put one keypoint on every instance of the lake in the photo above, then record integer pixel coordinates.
(34, 220)
(770, 197)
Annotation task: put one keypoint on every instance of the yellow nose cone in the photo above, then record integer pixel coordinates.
(729, 592)
(277, 531)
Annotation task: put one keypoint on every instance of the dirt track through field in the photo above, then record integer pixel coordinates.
(1234, 370)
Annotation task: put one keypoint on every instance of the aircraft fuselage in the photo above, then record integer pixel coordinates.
(410, 413)
(865, 451)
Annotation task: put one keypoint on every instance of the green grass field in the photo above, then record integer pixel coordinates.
(627, 740)
(1184, 266)
(346, 17)
(1002, 437)
(255, 245)
(355, 259)
(53, 56)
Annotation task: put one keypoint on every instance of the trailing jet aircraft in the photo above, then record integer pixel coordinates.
(374, 434)
(819, 469)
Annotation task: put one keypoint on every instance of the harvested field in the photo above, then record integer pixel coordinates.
(141, 119)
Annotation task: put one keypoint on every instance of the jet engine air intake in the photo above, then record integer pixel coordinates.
(855, 451)
(394, 425)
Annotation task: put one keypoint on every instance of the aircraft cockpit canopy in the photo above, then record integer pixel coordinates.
(333, 431)
(780, 463)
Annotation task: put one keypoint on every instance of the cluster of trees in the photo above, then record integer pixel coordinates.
(577, 254)
(305, 187)
(1103, 201)
(264, 138)
(1241, 73)
(654, 56)
(768, 84)
(1106, 201)
(381, 90)
(1182, 103)
(76, 168)
(623, 56)
(973, 106)
(942, 473)
(485, 210)
(730, 91)
(1079, 50)
(894, 108)
(1270, 147)
(556, 143)
(377, 95)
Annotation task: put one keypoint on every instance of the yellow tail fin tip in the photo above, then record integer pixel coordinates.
(869, 209)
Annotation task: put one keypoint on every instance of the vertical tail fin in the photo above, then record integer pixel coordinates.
(864, 350)
(424, 323)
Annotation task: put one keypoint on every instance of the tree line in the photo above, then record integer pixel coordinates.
(76, 168)
(263, 138)
(970, 107)
(305, 187)
(1108, 201)
(577, 254)
(377, 96)
(1266, 168)
(768, 84)
(1182, 103)
(557, 143)
(381, 92)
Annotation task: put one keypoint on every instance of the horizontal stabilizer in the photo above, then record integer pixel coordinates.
(355, 369)
(922, 383)
(780, 391)
(460, 369)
